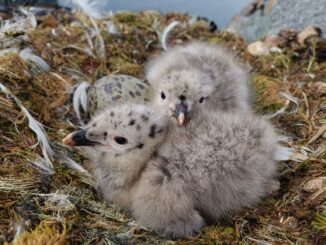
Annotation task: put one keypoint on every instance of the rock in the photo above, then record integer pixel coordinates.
(274, 15)
(315, 184)
(309, 31)
(319, 88)
(258, 48)
(272, 41)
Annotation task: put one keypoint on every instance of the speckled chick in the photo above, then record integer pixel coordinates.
(115, 90)
(195, 77)
(176, 180)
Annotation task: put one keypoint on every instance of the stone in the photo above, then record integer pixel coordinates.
(275, 15)
(258, 48)
(310, 31)
(315, 184)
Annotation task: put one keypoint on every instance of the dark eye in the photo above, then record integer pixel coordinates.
(121, 140)
(182, 97)
(163, 95)
(201, 100)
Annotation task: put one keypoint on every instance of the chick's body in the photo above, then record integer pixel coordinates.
(222, 165)
(176, 180)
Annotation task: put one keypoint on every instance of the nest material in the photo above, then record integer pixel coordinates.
(66, 208)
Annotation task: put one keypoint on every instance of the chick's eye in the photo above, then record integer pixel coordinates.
(163, 95)
(201, 100)
(121, 140)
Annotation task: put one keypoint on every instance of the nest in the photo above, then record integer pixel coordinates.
(39, 207)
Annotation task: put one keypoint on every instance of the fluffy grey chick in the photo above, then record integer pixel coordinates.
(195, 77)
(176, 180)
(119, 142)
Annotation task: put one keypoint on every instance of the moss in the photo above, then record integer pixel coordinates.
(218, 235)
(42, 234)
(267, 93)
(319, 223)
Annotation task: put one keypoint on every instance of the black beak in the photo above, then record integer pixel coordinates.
(180, 114)
(78, 138)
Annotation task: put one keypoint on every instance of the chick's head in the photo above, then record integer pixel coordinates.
(183, 93)
(121, 129)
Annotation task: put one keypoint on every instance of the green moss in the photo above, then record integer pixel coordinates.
(267, 89)
(126, 17)
(218, 235)
(319, 223)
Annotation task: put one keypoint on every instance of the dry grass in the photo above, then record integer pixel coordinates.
(66, 208)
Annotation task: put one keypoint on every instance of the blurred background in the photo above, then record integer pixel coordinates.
(220, 12)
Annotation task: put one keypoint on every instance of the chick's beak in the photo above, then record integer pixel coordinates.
(181, 114)
(78, 138)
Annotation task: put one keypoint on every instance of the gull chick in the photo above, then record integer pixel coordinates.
(176, 180)
(195, 77)
(119, 142)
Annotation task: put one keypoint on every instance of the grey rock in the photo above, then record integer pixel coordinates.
(276, 15)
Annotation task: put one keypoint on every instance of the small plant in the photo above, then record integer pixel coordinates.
(319, 224)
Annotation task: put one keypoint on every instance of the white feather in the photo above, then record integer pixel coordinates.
(80, 99)
(8, 50)
(38, 129)
(18, 24)
(110, 27)
(283, 153)
(29, 15)
(100, 47)
(27, 55)
(86, 50)
(91, 8)
(70, 162)
(166, 33)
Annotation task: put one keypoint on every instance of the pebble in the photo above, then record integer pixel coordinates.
(258, 48)
(315, 184)
(308, 32)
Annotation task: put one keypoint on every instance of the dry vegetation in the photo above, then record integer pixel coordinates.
(65, 207)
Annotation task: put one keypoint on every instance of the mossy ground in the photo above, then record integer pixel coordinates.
(65, 207)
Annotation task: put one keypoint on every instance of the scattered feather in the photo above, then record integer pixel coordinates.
(8, 50)
(100, 46)
(70, 162)
(18, 24)
(89, 7)
(166, 32)
(40, 162)
(80, 99)
(283, 153)
(27, 55)
(111, 28)
(86, 50)
(38, 129)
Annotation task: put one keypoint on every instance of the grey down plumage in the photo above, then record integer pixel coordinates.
(175, 180)
(201, 77)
